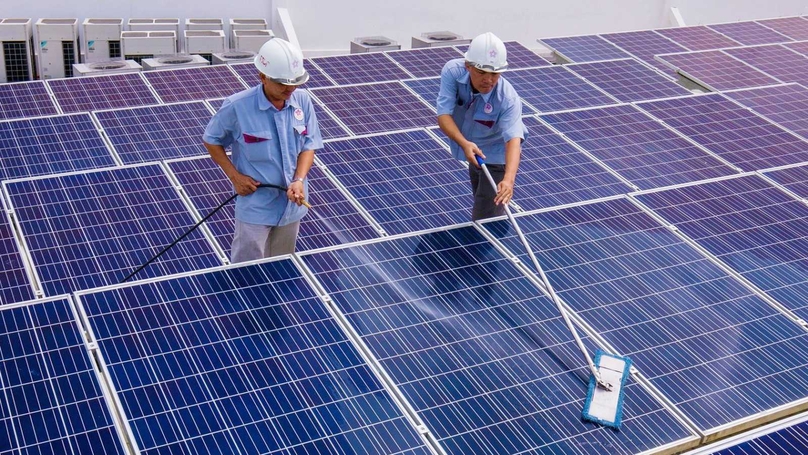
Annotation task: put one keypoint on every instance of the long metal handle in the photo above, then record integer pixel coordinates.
(602, 384)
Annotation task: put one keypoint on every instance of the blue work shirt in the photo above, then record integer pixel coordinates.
(266, 143)
(489, 120)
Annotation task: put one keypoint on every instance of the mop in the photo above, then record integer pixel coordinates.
(604, 398)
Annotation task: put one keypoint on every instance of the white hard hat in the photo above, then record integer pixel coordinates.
(487, 52)
(281, 62)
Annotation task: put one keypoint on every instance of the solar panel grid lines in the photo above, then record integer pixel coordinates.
(361, 68)
(88, 93)
(749, 33)
(584, 48)
(775, 60)
(519, 55)
(194, 84)
(716, 70)
(26, 99)
(697, 37)
(627, 80)
(270, 367)
(644, 45)
(799, 47)
(16, 278)
(424, 62)
(215, 103)
(792, 27)
(330, 126)
(784, 105)
(427, 88)
(554, 88)
(793, 179)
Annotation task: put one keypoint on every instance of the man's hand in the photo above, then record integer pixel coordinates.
(471, 150)
(295, 192)
(504, 192)
(244, 184)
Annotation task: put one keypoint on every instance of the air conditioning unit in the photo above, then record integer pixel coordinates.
(16, 60)
(102, 39)
(250, 40)
(110, 67)
(204, 42)
(233, 56)
(435, 39)
(139, 45)
(204, 24)
(58, 47)
(157, 24)
(171, 62)
(245, 24)
(373, 44)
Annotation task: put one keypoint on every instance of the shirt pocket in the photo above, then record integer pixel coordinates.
(484, 125)
(257, 145)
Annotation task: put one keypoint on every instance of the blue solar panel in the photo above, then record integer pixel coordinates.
(718, 351)
(628, 80)
(800, 46)
(774, 60)
(427, 89)
(785, 104)
(716, 70)
(794, 179)
(407, 181)
(645, 45)
(553, 172)
(89, 93)
(555, 89)
(750, 33)
(216, 103)
(249, 74)
(483, 357)
(641, 149)
(519, 56)
(332, 220)
(792, 27)
(15, 286)
(777, 440)
(52, 397)
(50, 145)
(243, 360)
(587, 48)
(156, 133)
(92, 229)
(375, 108)
(360, 68)
(192, 84)
(25, 99)
(330, 128)
(697, 38)
(730, 131)
(750, 225)
(426, 62)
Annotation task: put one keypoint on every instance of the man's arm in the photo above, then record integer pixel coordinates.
(243, 184)
(295, 192)
(470, 149)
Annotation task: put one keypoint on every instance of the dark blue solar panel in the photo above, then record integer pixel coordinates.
(731, 131)
(426, 62)
(794, 178)
(717, 71)
(375, 108)
(361, 68)
(243, 360)
(697, 38)
(427, 89)
(628, 80)
(587, 48)
(50, 145)
(156, 133)
(332, 220)
(638, 147)
(14, 283)
(774, 60)
(93, 229)
(790, 440)
(192, 84)
(330, 128)
(89, 93)
(753, 227)
(713, 347)
(792, 27)
(216, 103)
(519, 56)
(407, 181)
(25, 99)
(555, 89)
(249, 74)
(750, 33)
(645, 45)
(483, 357)
(786, 104)
(51, 395)
(553, 172)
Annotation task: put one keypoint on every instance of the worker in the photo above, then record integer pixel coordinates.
(482, 115)
(273, 131)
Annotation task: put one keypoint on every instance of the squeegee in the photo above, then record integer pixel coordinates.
(604, 398)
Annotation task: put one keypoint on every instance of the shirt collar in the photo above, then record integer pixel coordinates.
(264, 104)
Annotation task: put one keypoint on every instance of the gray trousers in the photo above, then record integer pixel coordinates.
(484, 194)
(254, 241)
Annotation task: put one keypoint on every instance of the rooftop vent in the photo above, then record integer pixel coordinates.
(373, 44)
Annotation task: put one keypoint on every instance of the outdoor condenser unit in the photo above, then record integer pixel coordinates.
(58, 47)
(250, 40)
(102, 39)
(435, 39)
(233, 57)
(109, 67)
(151, 24)
(245, 24)
(204, 42)
(373, 44)
(139, 45)
(170, 62)
(204, 24)
(16, 59)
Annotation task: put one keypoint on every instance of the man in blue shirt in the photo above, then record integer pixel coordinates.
(273, 132)
(482, 115)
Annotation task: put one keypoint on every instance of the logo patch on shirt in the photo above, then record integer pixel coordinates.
(488, 123)
(299, 114)
(488, 108)
(250, 139)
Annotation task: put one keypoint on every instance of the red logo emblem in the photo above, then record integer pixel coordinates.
(263, 61)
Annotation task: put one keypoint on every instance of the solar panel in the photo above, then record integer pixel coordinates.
(587, 48)
(683, 321)
(554, 88)
(716, 70)
(427, 89)
(331, 221)
(85, 230)
(753, 227)
(192, 84)
(730, 131)
(249, 74)
(774, 60)
(373, 108)
(48, 145)
(25, 99)
(697, 38)
(426, 62)
(794, 179)
(801, 47)
(628, 80)
(784, 438)
(15, 286)
(89, 93)
(360, 68)
(330, 127)
(641, 149)
(645, 45)
(242, 360)
(785, 104)
(553, 172)
(519, 56)
(156, 133)
(477, 350)
(407, 181)
(216, 103)
(792, 27)
(53, 402)
(749, 33)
